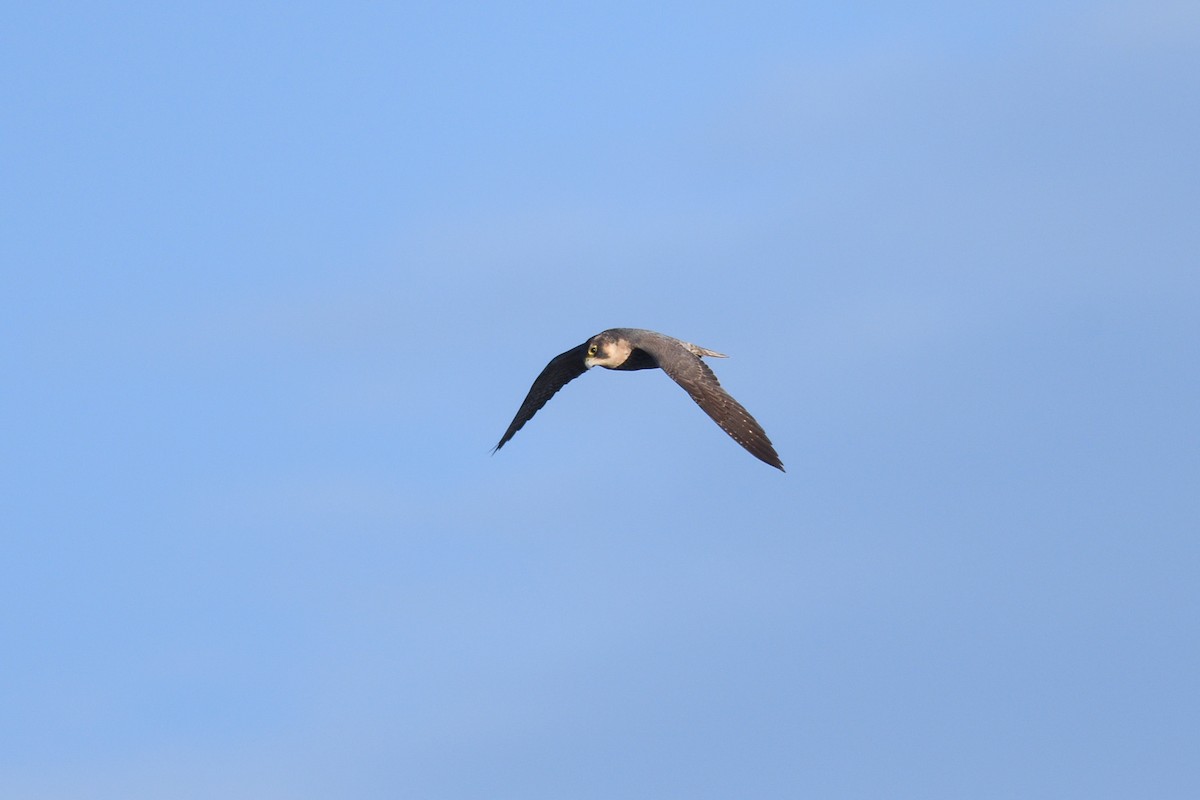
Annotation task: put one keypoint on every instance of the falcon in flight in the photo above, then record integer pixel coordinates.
(634, 348)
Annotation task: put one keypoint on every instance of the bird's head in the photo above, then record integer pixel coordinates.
(606, 350)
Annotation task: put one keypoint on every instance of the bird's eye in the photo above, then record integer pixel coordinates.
(592, 350)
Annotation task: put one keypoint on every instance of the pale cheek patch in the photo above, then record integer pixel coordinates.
(611, 355)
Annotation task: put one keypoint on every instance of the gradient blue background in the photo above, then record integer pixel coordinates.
(276, 277)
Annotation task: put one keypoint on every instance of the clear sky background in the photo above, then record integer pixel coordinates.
(276, 277)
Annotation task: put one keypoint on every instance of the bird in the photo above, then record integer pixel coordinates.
(637, 348)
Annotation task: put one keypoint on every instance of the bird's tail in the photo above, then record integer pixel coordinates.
(701, 351)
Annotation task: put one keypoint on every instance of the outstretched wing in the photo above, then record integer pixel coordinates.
(561, 370)
(699, 381)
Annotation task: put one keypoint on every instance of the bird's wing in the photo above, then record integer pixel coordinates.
(561, 370)
(698, 380)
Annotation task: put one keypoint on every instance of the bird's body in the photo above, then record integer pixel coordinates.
(633, 349)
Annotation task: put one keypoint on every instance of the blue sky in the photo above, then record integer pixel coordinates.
(276, 278)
